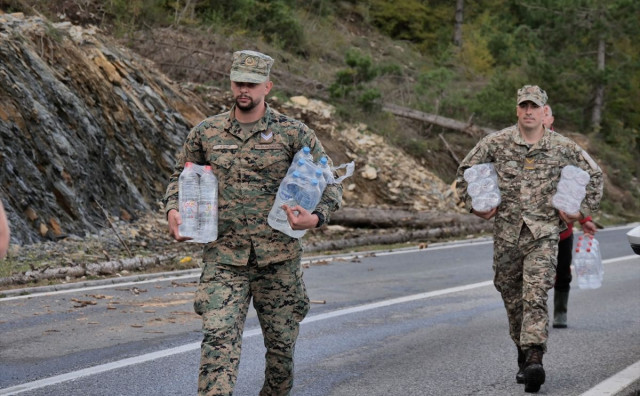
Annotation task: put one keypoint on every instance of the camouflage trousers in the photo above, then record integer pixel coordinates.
(222, 299)
(524, 273)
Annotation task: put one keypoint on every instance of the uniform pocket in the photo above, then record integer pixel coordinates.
(303, 304)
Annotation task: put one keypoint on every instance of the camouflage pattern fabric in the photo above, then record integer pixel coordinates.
(526, 225)
(250, 66)
(222, 298)
(524, 273)
(249, 170)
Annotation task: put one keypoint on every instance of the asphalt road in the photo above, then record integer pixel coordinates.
(408, 322)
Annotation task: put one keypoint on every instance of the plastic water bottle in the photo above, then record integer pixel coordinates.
(322, 182)
(286, 196)
(208, 207)
(593, 243)
(579, 266)
(474, 189)
(594, 279)
(297, 165)
(188, 197)
(485, 170)
(326, 170)
(309, 196)
(471, 174)
(305, 154)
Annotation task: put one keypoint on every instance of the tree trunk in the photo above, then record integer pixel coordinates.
(457, 30)
(105, 268)
(598, 101)
(399, 218)
(398, 237)
(444, 122)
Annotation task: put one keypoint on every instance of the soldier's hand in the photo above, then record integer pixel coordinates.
(174, 222)
(299, 218)
(569, 218)
(486, 215)
(589, 227)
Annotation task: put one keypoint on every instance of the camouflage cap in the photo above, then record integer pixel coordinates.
(251, 67)
(532, 93)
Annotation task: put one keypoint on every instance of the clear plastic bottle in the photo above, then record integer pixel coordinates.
(471, 174)
(488, 184)
(304, 153)
(594, 280)
(484, 170)
(322, 182)
(188, 197)
(579, 266)
(565, 203)
(296, 165)
(309, 196)
(474, 189)
(326, 170)
(208, 207)
(286, 196)
(582, 177)
(593, 243)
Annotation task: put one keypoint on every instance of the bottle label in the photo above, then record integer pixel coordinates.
(190, 209)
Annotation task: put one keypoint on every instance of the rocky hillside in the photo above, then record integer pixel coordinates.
(89, 132)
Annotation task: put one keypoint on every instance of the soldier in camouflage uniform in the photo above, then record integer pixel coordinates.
(250, 149)
(528, 159)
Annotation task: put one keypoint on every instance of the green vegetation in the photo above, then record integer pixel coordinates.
(584, 53)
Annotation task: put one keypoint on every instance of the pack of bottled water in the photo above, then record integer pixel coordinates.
(482, 186)
(587, 265)
(198, 200)
(303, 185)
(571, 189)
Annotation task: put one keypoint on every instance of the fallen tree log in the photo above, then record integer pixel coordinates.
(444, 122)
(399, 218)
(400, 236)
(78, 271)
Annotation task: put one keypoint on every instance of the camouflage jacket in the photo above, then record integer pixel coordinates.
(527, 177)
(249, 168)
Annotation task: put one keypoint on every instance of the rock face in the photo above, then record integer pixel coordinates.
(84, 125)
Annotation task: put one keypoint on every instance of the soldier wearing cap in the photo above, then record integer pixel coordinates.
(528, 159)
(250, 149)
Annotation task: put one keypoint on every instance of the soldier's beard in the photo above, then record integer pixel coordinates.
(246, 107)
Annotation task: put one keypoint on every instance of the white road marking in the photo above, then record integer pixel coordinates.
(617, 382)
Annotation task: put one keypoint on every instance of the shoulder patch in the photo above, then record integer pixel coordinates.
(589, 160)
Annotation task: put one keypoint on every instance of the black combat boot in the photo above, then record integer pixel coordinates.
(560, 300)
(521, 360)
(533, 370)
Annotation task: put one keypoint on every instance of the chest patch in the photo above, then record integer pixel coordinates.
(266, 137)
(272, 146)
(529, 163)
(225, 147)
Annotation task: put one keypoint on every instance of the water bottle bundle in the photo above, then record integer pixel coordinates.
(483, 186)
(198, 197)
(587, 263)
(303, 185)
(571, 189)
